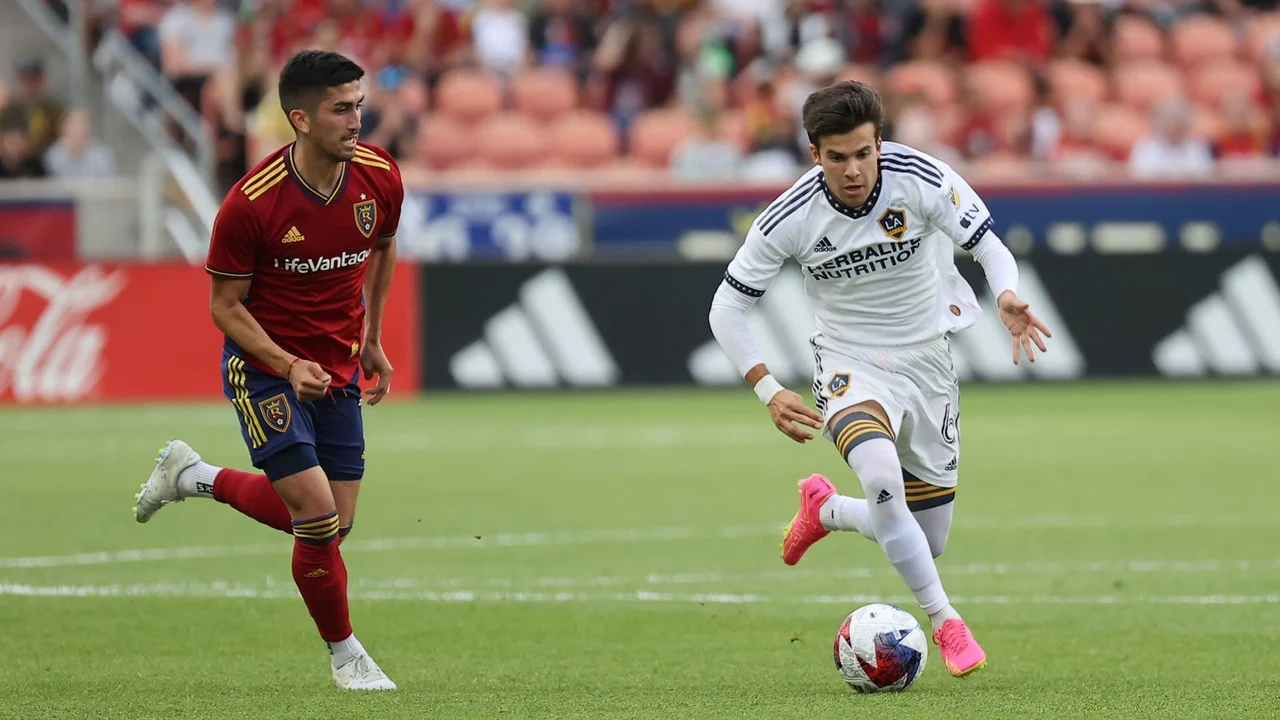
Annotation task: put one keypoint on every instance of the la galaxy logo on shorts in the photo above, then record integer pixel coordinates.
(366, 216)
(276, 412)
(894, 223)
(838, 385)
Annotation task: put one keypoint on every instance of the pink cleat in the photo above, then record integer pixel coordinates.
(805, 528)
(960, 652)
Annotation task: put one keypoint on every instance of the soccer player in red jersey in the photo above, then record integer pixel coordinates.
(301, 260)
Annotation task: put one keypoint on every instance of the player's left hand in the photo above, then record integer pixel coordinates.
(1023, 326)
(373, 361)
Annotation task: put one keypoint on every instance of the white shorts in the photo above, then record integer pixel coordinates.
(919, 391)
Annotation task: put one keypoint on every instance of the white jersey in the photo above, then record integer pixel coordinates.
(880, 275)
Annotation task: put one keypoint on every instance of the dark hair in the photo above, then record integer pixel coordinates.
(310, 73)
(838, 109)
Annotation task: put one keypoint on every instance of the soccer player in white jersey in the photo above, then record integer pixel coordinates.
(872, 226)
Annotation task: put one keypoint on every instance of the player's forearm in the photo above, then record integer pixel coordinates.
(382, 264)
(728, 318)
(998, 264)
(235, 321)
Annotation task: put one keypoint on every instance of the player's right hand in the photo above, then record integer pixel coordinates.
(787, 409)
(309, 380)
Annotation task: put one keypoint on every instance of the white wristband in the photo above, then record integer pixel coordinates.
(766, 388)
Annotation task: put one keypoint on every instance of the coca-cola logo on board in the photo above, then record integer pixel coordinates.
(49, 351)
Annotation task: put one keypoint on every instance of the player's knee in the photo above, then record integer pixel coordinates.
(289, 461)
(852, 429)
(320, 530)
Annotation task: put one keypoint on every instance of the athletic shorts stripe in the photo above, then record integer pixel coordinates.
(239, 383)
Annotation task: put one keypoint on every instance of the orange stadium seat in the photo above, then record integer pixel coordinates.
(626, 171)
(1136, 38)
(1202, 38)
(934, 81)
(1003, 86)
(1077, 80)
(1116, 128)
(468, 95)
(1211, 83)
(510, 140)
(544, 93)
(656, 133)
(443, 142)
(1141, 85)
(583, 139)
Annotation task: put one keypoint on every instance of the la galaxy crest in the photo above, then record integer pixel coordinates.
(838, 384)
(276, 412)
(366, 216)
(894, 223)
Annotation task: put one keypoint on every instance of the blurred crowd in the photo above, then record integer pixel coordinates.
(710, 90)
(40, 137)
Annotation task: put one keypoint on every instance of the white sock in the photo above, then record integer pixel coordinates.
(947, 613)
(342, 651)
(876, 464)
(197, 480)
(841, 512)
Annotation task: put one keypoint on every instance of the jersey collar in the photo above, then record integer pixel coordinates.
(309, 191)
(854, 212)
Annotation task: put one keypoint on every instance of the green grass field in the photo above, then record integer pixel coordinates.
(1116, 550)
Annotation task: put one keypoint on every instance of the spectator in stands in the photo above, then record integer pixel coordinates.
(934, 30)
(1170, 151)
(1084, 29)
(915, 125)
(140, 22)
(706, 156)
(1016, 30)
(17, 159)
(76, 155)
(1244, 132)
(32, 107)
(196, 41)
(562, 34)
(391, 120)
(634, 67)
(500, 34)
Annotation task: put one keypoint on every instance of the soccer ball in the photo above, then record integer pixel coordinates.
(880, 648)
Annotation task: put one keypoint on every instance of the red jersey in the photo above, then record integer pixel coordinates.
(307, 253)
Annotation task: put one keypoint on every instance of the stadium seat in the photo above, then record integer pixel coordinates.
(545, 93)
(934, 81)
(443, 142)
(583, 139)
(510, 140)
(656, 133)
(1199, 39)
(1077, 80)
(1135, 38)
(1005, 87)
(997, 168)
(628, 172)
(468, 95)
(1211, 83)
(1141, 85)
(1116, 128)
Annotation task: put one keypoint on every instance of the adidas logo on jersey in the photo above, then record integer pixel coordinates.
(293, 236)
(824, 245)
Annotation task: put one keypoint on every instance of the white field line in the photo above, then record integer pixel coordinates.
(615, 536)
(791, 575)
(228, 590)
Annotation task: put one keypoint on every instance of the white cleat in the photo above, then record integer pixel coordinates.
(361, 673)
(161, 488)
